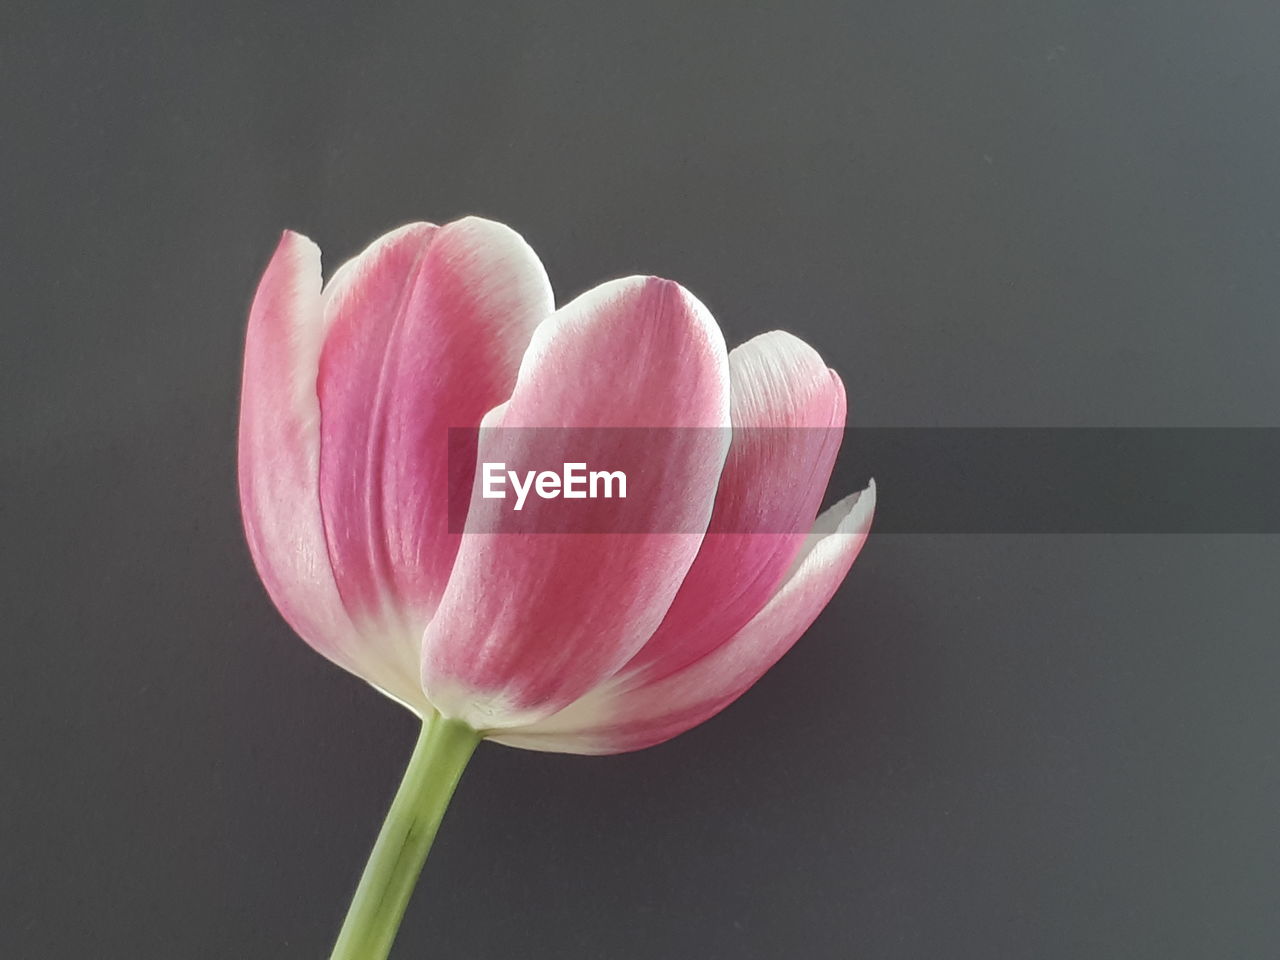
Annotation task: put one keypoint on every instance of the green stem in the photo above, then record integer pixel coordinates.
(442, 752)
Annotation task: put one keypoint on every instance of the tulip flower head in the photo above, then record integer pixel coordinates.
(544, 630)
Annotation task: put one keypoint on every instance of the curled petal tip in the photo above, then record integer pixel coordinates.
(863, 507)
(292, 239)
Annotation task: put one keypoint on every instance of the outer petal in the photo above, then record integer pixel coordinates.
(624, 714)
(427, 329)
(279, 454)
(531, 620)
(788, 413)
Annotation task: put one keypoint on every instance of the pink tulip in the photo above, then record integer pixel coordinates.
(591, 642)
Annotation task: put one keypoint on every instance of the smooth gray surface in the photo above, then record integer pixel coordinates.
(981, 214)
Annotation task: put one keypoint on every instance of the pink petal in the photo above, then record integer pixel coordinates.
(531, 620)
(788, 413)
(279, 452)
(624, 714)
(427, 329)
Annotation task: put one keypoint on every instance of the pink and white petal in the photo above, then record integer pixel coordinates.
(427, 330)
(532, 619)
(279, 452)
(788, 413)
(621, 715)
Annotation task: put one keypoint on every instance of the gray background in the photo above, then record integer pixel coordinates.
(980, 213)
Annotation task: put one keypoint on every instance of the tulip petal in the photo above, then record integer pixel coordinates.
(279, 453)
(788, 413)
(627, 713)
(427, 330)
(531, 620)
